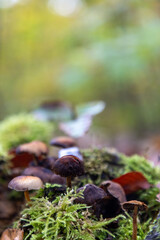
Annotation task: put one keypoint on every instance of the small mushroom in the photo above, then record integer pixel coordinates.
(115, 189)
(91, 194)
(68, 166)
(102, 203)
(25, 183)
(46, 175)
(134, 206)
(12, 234)
(37, 148)
(63, 142)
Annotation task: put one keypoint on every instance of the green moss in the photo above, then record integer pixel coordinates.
(124, 231)
(22, 128)
(62, 219)
(103, 164)
(140, 164)
(149, 197)
(55, 219)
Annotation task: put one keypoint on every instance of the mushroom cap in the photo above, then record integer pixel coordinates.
(68, 165)
(37, 148)
(24, 183)
(46, 175)
(131, 204)
(63, 141)
(12, 233)
(91, 194)
(114, 189)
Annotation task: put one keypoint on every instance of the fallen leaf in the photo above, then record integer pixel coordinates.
(12, 234)
(132, 182)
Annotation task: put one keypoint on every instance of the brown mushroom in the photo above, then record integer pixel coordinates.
(46, 175)
(63, 142)
(37, 148)
(25, 183)
(68, 166)
(12, 234)
(115, 189)
(103, 204)
(134, 206)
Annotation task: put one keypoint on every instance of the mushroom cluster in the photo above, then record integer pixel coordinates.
(107, 201)
(45, 168)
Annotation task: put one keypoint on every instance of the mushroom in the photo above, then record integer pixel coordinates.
(134, 206)
(37, 148)
(12, 233)
(68, 166)
(115, 189)
(103, 204)
(63, 142)
(25, 183)
(91, 194)
(46, 175)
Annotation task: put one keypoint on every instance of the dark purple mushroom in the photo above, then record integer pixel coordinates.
(68, 166)
(63, 142)
(91, 194)
(46, 175)
(108, 207)
(102, 203)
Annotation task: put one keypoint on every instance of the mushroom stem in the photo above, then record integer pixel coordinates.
(26, 194)
(135, 213)
(35, 160)
(69, 182)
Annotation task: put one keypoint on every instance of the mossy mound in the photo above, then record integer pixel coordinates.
(22, 128)
(50, 217)
(106, 164)
(62, 219)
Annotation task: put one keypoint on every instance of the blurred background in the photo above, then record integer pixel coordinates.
(84, 50)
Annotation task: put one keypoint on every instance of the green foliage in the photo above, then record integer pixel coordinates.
(149, 196)
(99, 167)
(140, 164)
(103, 164)
(62, 219)
(125, 229)
(22, 128)
(118, 49)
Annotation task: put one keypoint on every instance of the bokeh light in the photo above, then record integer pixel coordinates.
(8, 3)
(64, 7)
